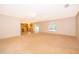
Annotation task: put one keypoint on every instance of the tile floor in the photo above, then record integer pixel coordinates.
(40, 43)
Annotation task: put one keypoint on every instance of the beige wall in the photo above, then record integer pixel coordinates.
(65, 26)
(77, 21)
(9, 26)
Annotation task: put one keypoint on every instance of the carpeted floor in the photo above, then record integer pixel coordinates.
(42, 43)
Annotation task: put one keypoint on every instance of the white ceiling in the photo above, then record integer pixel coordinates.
(39, 11)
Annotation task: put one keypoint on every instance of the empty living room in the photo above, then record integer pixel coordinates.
(39, 28)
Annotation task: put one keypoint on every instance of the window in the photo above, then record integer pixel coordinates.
(52, 27)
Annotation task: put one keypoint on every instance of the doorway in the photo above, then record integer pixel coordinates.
(26, 28)
(36, 28)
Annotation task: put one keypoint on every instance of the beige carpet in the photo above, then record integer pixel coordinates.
(40, 43)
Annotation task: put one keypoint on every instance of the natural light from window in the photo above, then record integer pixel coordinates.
(52, 27)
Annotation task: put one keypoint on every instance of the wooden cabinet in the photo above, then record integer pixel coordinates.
(26, 28)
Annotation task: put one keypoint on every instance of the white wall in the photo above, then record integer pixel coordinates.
(65, 26)
(9, 26)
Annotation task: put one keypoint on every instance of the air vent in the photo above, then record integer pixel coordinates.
(66, 5)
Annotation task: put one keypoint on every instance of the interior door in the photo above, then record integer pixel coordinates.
(77, 24)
